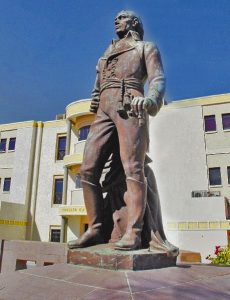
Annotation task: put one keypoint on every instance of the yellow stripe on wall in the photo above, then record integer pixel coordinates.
(14, 126)
(199, 225)
(14, 222)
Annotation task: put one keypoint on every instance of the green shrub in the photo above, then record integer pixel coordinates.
(222, 256)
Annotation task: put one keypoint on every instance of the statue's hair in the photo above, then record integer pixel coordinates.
(139, 27)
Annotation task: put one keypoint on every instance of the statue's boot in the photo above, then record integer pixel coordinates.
(93, 202)
(135, 199)
(157, 243)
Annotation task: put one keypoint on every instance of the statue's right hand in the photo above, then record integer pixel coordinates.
(94, 105)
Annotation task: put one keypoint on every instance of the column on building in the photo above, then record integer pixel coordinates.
(72, 210)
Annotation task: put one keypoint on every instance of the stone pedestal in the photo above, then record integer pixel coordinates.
(104, 256)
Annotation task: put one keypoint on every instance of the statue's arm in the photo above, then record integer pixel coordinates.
(154, 99)
(156, 78)
(96, 92)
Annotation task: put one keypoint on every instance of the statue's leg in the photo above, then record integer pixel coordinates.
(154, 202)
(135, 201)
(97, 151)
(158, 239)
(133, 141)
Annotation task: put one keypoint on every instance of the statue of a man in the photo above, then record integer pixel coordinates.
(122, 109)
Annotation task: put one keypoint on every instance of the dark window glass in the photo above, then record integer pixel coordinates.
(210, 123)
(12, 143)
(226, 121)
(78, 182)
(227, 212)
(86, 226)
(58, 189)
(228, 170)
(84, 131)
(55, 235)
(214, 176)
(6, 185)
(3, 145)
(61, 147)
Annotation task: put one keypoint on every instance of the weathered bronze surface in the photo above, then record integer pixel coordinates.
(120, 130)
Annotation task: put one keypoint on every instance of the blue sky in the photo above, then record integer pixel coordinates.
(49, 49)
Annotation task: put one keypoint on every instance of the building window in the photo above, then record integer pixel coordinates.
(55, 235)
(83, 133)
(214, 176)
(226, 121)
(227, 208)
(3, 145)
(6, 185)
(209, 123)
(58, 189)
(61, 144)
(78, 182)
(228, 171)
(12, 143)
(86, 226)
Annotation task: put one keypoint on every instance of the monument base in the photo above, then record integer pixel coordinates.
(104, 256)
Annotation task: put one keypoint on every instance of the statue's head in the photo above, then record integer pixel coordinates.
(128, 20)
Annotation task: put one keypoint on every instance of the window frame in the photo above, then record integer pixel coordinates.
(54, 227)
(55, 178)
(209, 177)
(222, 115)
(79, 132)
(11, 150)
(3, 151)
(78, 179)
(3, 186)
(205, 119)
(59, 136)
(228, 174)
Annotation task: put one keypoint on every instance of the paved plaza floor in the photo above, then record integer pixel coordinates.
(66, 281)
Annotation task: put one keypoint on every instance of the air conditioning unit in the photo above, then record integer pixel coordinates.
(203, 193)
(215, 194)
(196, 194)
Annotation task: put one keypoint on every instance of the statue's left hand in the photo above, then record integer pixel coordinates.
(140, 104)
(94, 105)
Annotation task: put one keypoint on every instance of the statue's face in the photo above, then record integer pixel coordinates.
(123, 23)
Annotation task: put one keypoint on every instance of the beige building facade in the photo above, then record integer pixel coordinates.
(16, 169)
(190, 150)
(192, 171)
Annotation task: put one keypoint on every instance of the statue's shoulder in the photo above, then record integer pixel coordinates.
(150, 47)
(107, 51)
(145, 47)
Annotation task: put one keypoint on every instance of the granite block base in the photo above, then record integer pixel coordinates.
(104, 256)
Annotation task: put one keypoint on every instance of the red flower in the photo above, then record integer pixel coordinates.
(217, 251)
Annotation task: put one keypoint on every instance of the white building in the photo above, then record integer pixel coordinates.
(41, 196)
(17, 146)
(190, 148)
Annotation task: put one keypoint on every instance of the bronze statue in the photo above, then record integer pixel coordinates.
(121, 128)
